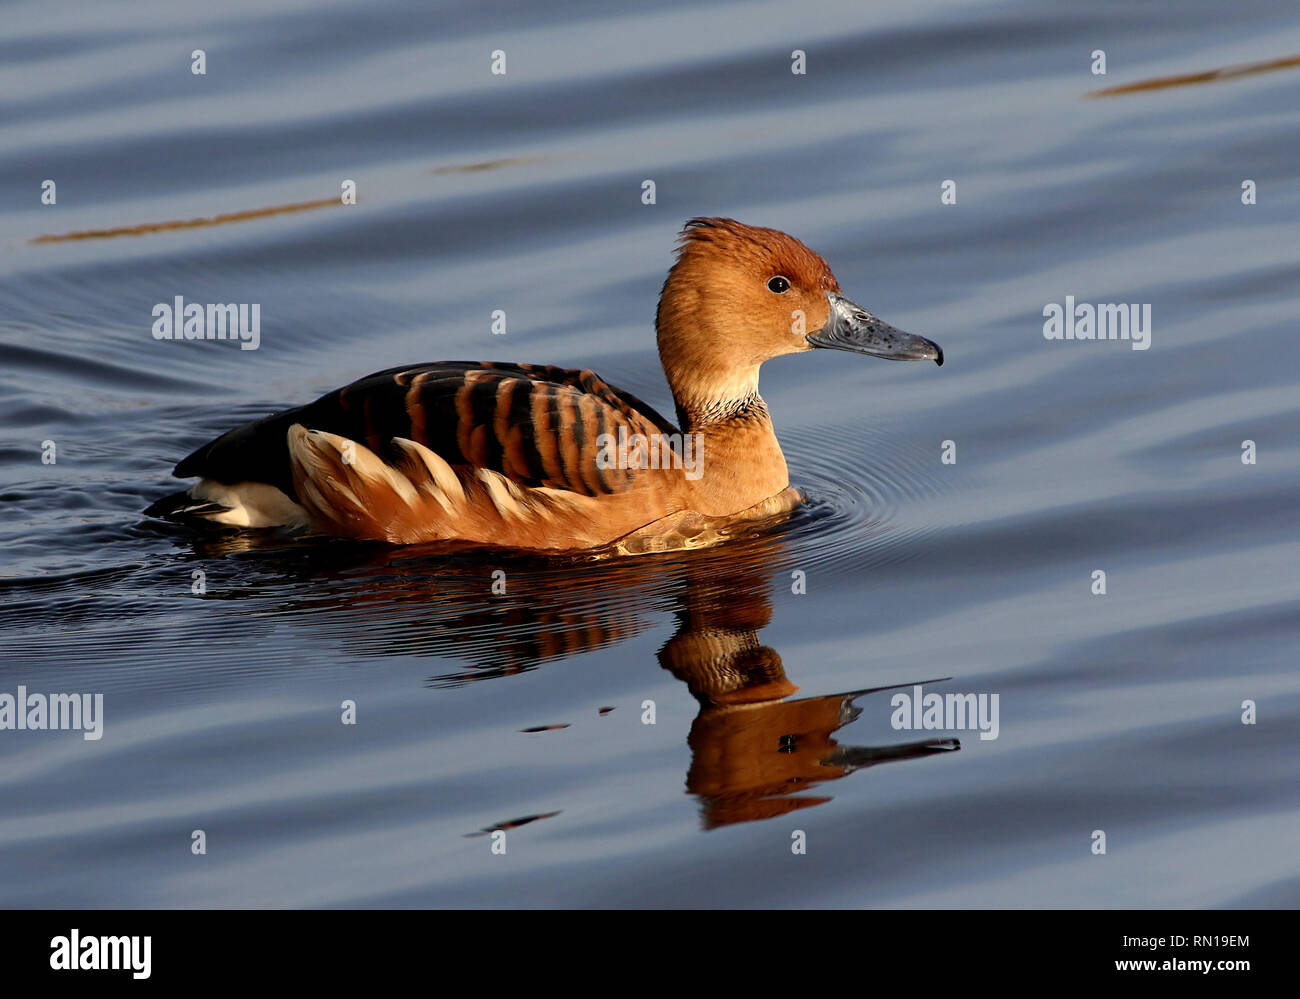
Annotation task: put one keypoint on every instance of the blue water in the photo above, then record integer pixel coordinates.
(1119, 713)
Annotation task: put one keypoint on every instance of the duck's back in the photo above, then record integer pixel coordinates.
(519, 438)
(535, 424)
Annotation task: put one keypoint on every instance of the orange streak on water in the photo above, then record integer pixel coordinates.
(1210, 76)
(508, 161)
(148, 227)
(261, 213)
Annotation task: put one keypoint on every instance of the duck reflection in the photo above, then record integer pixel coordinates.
(755, 749)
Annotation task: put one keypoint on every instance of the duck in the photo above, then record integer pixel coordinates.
(541, 458)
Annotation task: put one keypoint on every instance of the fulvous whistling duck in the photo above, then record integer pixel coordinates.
(536, 457)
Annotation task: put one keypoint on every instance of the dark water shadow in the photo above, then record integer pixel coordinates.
(755, 749)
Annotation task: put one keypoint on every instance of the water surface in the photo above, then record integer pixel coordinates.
(526, 711)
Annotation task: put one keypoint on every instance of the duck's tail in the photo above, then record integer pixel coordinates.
(244, 504)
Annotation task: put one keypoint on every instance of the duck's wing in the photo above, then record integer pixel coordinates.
(536, 425)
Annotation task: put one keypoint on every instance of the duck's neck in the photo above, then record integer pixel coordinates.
(741, 463)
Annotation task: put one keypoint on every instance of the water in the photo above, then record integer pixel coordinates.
(222, 712)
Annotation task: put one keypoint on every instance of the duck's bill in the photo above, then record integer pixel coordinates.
(851, 327)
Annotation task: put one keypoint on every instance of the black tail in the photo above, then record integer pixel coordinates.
(182, 506)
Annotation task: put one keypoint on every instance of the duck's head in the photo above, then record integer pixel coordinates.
(740, 295)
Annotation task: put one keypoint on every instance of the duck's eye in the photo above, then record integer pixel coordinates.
(779, 284)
